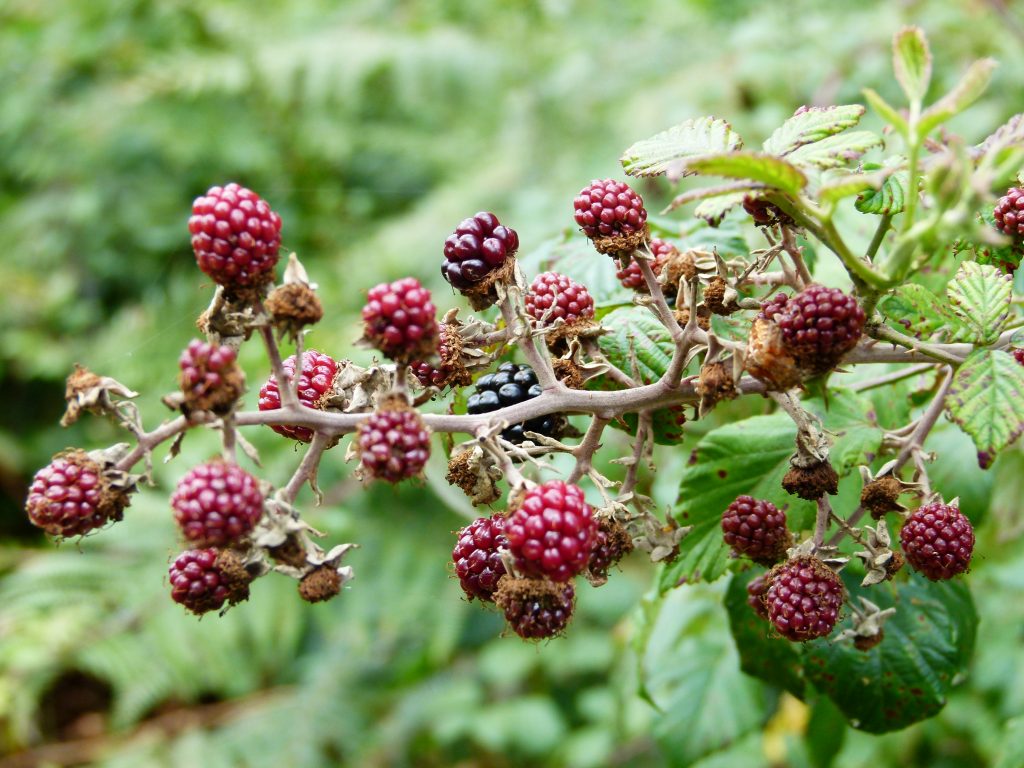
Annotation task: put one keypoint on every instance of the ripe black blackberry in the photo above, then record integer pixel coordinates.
(477, 560)
(818, 325)
(235, 236)
(511, 384)
(756, 529)
(1009, 213)
(803, 598)
(938, 541)
(535, 608)
(479, 246)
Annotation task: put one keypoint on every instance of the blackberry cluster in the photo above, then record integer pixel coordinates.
(477, 560)
(1009, 213)
(70, 497)
(756, 529)
(630, 275)
(535, 609)
(210, 378)
(400, 320)
(316, 383)
(393, 444)
(511, 384)
(552, 532)
(818, 325)
(235, 236)
(938, 541)
(556, 297)
(607, 207)
(216, 504)
(803, 599)
(479, 246)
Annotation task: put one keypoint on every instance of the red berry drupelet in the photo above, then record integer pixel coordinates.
(400, 320)
(479, 247)
(70, 497)
(938, 541)
(477, 560)
(535, 609)
(552, 532)
(630, 275)
(216, 504)
(235, 236)
(818, 325)
(556, 297)
(803, 599)
(1009, 213)
(756, 529)
(210, 378)
(611, 209)
(201, 581)
(394, 444)
(316, 383)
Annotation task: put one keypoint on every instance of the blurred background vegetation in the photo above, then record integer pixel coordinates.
(373, 127)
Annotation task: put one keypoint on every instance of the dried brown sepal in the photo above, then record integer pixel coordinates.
(219, 399)
(677, 266)
(485, 293)
(813, 481)
(895, 563)
(767, 359)
(450, 347)
(867, 642)
(560, 337)
(475, 473)
(881, 496)
(87, 391)
(569, 373)
(236, 577)
(293, 306)
(613, 544)
(290, 552)
(717, 297)
(619, 245)
(715, 384)
(230, 319)
(320, 584)
(703, 317)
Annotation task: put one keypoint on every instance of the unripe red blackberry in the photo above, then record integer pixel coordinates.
(803, 598)
(1009, 213)
(630, 275)
(818, 325)
(607, 207)
(70, 496)
(756, 529)
(556, 297)
(210, 377)
(400, 320)
(235, 236)
(203, 580)
(479, 246)
(1018, 355)
(552, 532)
(535, 608)
(938, 541)
(511, 384)
(611, 544)
(477, 560)
(393, 442)
(451, 368)
(757, 588)
(216, 504)
(316, 383)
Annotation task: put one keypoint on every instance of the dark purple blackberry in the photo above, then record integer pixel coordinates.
(479, 246)
(803, 598)
(756, 529)
(818, 325)
(607, 207)
(511, 384)
(535, 608)
(477, 560)
(938, 541)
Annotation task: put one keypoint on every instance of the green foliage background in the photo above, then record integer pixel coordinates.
(373, 127)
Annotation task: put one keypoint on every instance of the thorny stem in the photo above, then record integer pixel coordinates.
(539, 360)
(821, 520)
(683, 338)
(288, 397)
(643, 431)
(584, 452)
(229, 441)
(307, 467)
(614, 373)
(885, 333)
(147, 441)
(790, 246)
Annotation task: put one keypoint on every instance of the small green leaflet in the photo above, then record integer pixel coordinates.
(921, 313)
(812, 125)
(912, 62)
(888, 199)
(756, 166)
(964, 93)
(980, 296)
(666, 151)
(835, 151)
(986, 399)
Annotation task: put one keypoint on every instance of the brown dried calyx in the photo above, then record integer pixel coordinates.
(320, 584)
(703, 316)
(485, 293)
(715, 383)
(881, 496)
(87, 391)
(621, 245)
(767, 358)
(294, 306)
(474, 471)
(569, 372)
(719, 298)
(812, 481)
(236, 577)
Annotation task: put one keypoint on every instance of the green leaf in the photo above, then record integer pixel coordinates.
(811, 125)
(964, 93)
(889, 199)
(1011, 752)
(927, 645)
(763, 654)
(851, 421)
(690, 673)
(767, 169)
(1009, 134)
(912, 62)
(922, 313)
(980, 296)
(848, 184)
(744, 457)
(704, 193)
(692, 138)
(886, 111)
(835, 151)
(986, 399)
(713, 209)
